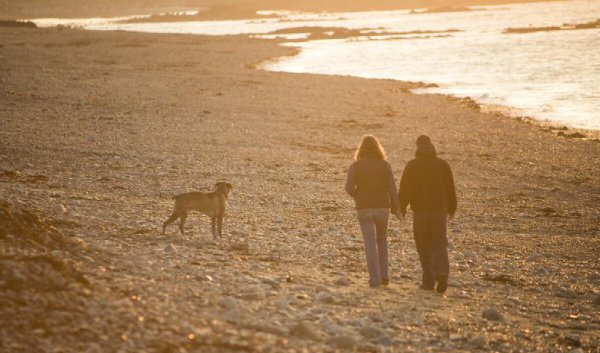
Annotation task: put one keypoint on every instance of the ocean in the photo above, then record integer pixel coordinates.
(550, 75)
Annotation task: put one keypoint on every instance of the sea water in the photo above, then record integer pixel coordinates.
(547, 75)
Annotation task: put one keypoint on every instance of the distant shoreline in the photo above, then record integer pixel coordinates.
(221, 10)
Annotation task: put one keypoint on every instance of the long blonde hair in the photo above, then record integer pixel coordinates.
(369, 147)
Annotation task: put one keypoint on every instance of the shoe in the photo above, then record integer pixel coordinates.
(442, 283)
(385, 282)
(426, 287)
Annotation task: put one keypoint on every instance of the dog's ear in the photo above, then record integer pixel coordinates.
(230, 186)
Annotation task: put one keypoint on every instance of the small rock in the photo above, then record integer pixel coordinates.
(454, 337)
(344, 341)
(385, 340)
(342, 282)
(170, 249)
(478, 341)
(271, 282)
(453, 283)
(235, 316)
(372, 332)
(324, 297)
(253, 293)
(60, 208)
(596, 301)
(228, 303)
(492, 315)
(306, 329)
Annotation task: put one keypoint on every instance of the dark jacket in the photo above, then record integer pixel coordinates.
(371, 183)
(427, 184)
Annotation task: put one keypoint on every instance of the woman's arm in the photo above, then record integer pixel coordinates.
(392, 192)
(351, 182)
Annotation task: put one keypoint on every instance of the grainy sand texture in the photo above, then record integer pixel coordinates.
(98, 130)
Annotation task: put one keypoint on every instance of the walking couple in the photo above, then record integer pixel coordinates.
(426, 185)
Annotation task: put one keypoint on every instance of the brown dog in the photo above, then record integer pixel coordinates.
(211, 204)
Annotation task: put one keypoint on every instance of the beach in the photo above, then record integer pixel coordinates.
(100, 129)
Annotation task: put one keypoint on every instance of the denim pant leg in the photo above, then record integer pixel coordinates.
(367, 227)
(381, 224)
(422, 233)
(439, 244)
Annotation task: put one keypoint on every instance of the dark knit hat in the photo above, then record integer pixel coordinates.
(425, 147)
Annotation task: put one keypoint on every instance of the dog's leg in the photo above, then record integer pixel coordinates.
(182, 222)
(220, 225)
(213, 225)
(171, 219)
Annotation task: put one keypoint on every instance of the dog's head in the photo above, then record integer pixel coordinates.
(224, 187)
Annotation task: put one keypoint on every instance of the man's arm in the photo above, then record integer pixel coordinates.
(451, 192)
(404, 192)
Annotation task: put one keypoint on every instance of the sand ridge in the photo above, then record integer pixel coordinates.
(99, 130)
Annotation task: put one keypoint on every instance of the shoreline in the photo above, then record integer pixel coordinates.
(100, 129)
(221, 10)
(563, 129)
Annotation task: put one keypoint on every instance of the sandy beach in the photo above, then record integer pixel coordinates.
(100, 129)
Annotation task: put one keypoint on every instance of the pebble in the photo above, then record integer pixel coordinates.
(453, 283)
(271, 282)
(170, 249)
(372, 332)
(478, 341)
(234, 316)
(492, 315)
(455, 337)
(228, 303)
(306, 329)
(385, 341)
(342, 282)
(596, 300)
(342, 341)
(253, 293)
(324, 297)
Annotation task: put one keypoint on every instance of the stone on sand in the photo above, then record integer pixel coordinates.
(342, 341)
(306, 329)
(170, 249)
(228, 303)
(372, 332)
(478, 341)
(492, 314)
(324, 297)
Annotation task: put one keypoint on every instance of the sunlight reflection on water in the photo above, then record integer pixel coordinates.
(552, 75)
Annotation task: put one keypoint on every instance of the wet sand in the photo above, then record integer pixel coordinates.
(100, 129)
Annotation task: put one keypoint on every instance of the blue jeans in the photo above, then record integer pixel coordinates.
(373, 225)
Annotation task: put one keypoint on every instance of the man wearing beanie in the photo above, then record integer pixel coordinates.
(427, 185)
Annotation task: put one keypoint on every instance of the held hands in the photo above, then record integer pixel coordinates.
(399, 215)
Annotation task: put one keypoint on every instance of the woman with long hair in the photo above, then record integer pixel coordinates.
(371, 183)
